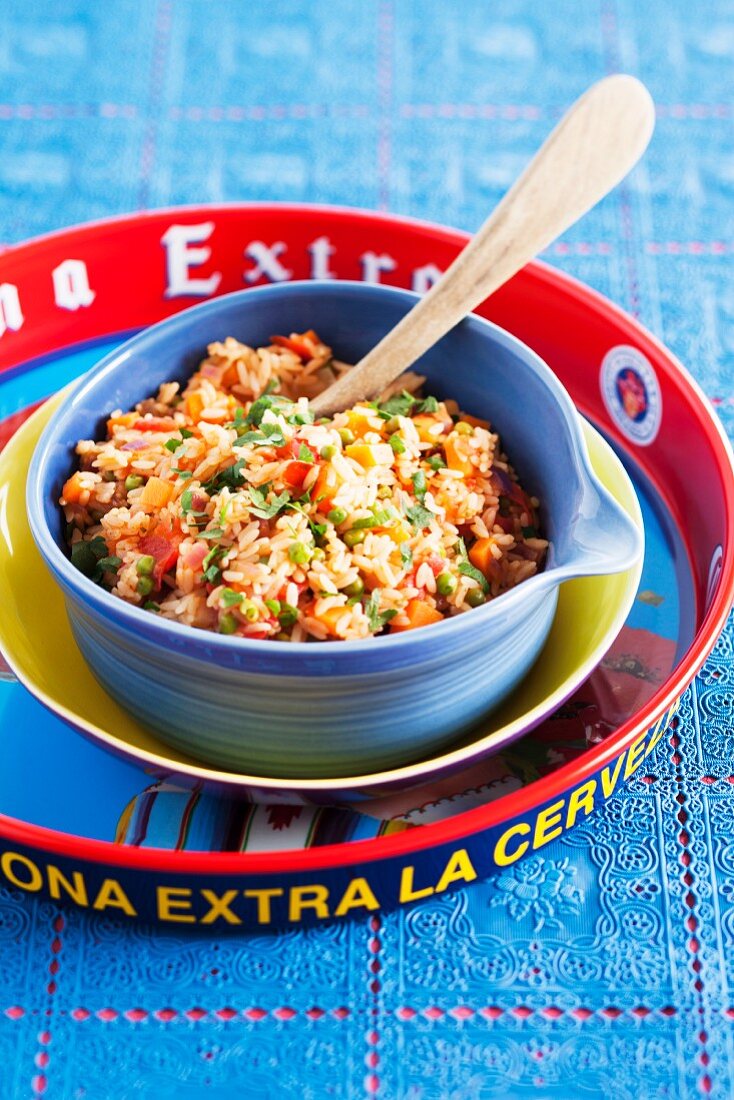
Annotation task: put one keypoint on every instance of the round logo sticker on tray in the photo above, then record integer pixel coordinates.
(631, 393)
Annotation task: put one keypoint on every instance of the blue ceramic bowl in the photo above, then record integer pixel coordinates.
(346, 707)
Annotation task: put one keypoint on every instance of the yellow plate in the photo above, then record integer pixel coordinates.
(37, 642)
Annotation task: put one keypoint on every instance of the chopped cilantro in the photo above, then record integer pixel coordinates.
(405, 404)
(470, 570)
(436, 462)
(419, 516)
(173, 444)
(269, 435)
(109, 564)
(185, 433)
(230, 478)
(427, 405)
(400, 404)
(213, 533)
(214, 555)
(419, 485)
(406, 555)
(397, 444)
(264, 402)
(183, 474)
(377, 619)
(305, 454)
(85, 556)
(151, 605)
(261, 508)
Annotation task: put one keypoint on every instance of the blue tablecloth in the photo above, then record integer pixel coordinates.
(426, 108)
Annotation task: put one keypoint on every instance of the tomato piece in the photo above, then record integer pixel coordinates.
(163, 547)
(296, 445)
(437, 564)
(295, 474)
(300, 349)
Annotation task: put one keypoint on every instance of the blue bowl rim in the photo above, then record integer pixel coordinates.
(130, 615)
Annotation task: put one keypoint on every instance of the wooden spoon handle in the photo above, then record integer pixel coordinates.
(596, 143)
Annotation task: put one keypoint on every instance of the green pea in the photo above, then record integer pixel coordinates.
(228, 623)
(463, 428)
(384, 492)
(356, 588)
(145, 586)
(298, 553)
(133, 481)
(346, 435)
(328, 451)
(337, 516)
(475, 597)
(145, 565)
(318, 554)
(353, 538)
(445, 584)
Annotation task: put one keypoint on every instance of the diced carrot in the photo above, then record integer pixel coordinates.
(362, 421)
(330, 618)
(475, 421)
(455, 460)
(419, 613)
(398, 533)
(231, 376)
(370, 454)
(325, 487)
(73, 489)
(156, 493)
(123, 421)
(480, 555)
(429, 427)
(194, 406)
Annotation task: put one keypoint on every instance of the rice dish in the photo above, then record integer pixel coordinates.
(222, 505)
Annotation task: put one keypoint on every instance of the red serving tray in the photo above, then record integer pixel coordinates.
(115, 276)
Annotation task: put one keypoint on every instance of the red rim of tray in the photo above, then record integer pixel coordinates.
(24, 263)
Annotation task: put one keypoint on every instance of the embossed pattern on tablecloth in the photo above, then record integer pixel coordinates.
(605, 966)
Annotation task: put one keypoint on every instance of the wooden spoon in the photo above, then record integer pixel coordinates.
(596, 143)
